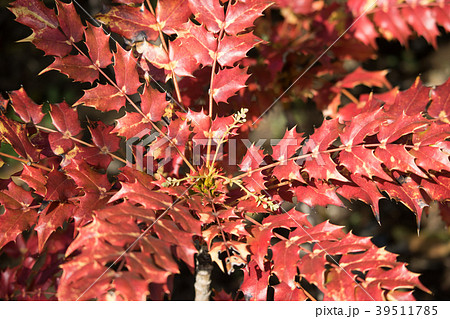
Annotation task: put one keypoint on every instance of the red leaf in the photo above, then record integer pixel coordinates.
(103, 139)
(289, 170)
(65, 119)
(320, 165)
(132, 125)
(287, 146)
(234, 48)
(59, 187)
(392, 24)
(368, 78)
(321, 194)
(439, 189)
(209, 13)
(76, 67)
(170, 14)
(103, 98)
(361, 126)
(284, 292)
(255, 283)
(402, 124)
(396, 157)
(17, 217)
(69, 21)
(25, 107)
(408, 193)
(50, 221)
(431, 158)
(127, 78)
(285, 256)
(16, 135)
(412, 101)
(131, 22)
(44, 23)
(98, 45)
(440, 106)
(362, 161)
(34, 178)
(227, 82)
(241, 15)
(87, 179)
(194, 45)
(423, 21)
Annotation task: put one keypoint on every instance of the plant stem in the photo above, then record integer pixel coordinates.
(211, 100)
(250, 172)
(26, 162)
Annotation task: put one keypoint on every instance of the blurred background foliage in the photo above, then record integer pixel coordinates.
(428, 253)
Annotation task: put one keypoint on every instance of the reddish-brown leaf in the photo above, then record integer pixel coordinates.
(131, 22)
(69, 21)
(234, 48)
(209, 13)
(227, 82)
(103, 98)
(171, 14)
(49, 221)
(76, 67)
(320, 165)
(242, 14)
(16, 135)
(255, 282)
(440, 107)
(44, 23)
(127, 78)
(25, 106)
(17, 217)
(98, 45)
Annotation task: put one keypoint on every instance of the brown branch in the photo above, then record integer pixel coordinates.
(26, 162)
(211, 100)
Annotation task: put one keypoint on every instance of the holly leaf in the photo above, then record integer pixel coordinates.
(69, 21)
(34, 178)
(65, 119)
(255, 282)
(422, 20)
(127, 78)
(131, 22)
(49, 221)
(209, 13)
(241, 15)
(392, 24)
(227, 82)
(320, 165)
(87, 179)
(76, 67)
(25, 107)
(17, 216)
(59, 187)
(103, 98)
(43, 21)
(440, 106)
(98, 45)
(16, 136)
(170, 14)
(234, 48)
(362, 161)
